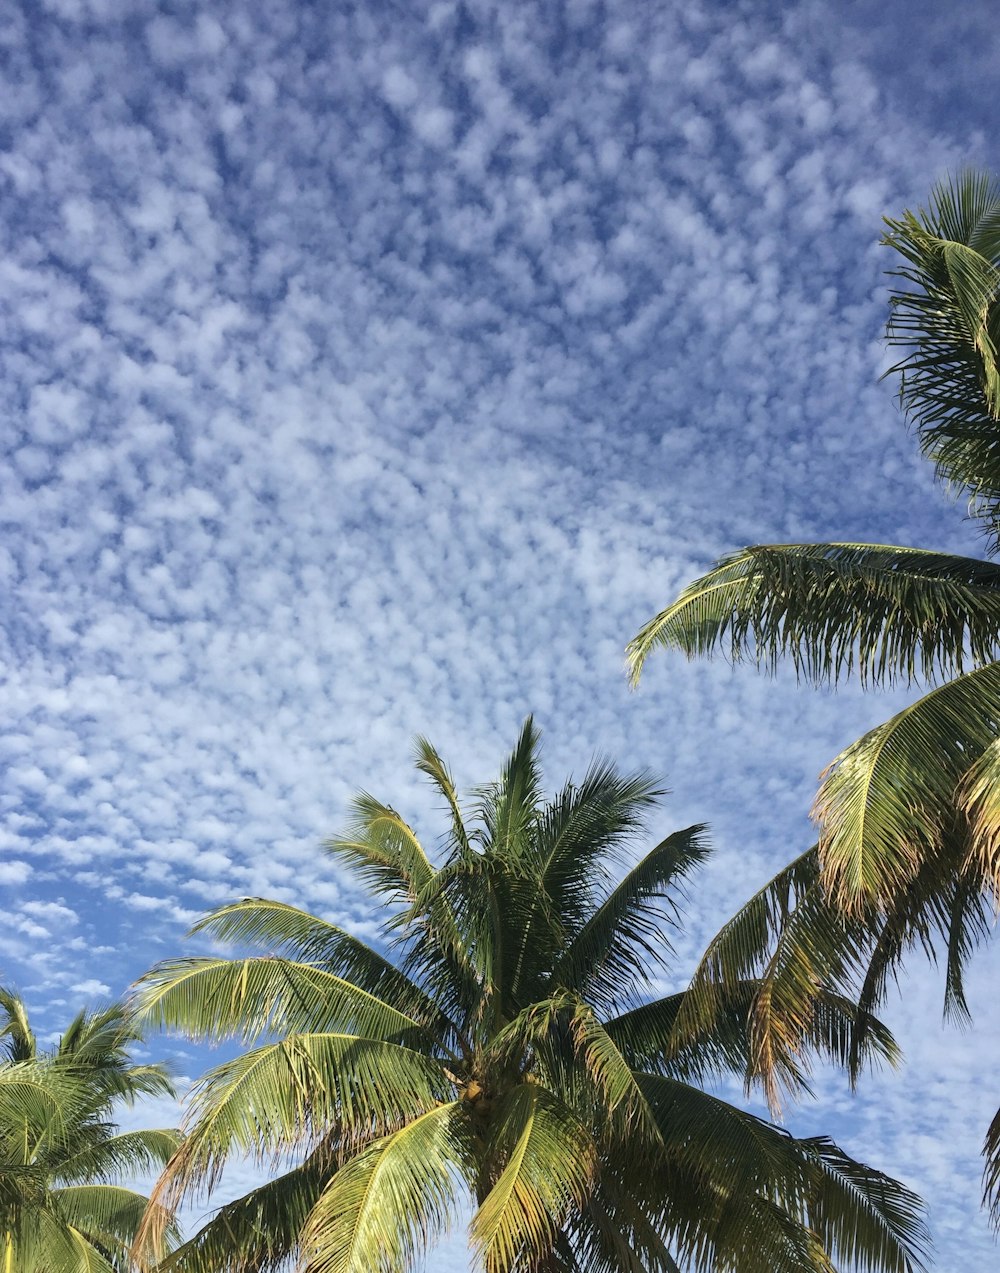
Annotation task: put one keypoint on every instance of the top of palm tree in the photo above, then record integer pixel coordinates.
(511, 1055)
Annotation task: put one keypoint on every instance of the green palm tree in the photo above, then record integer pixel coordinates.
(507, 1057)
(63, 1208)
(909, 814)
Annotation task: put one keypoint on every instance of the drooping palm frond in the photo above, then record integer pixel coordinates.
(810, 1183)
(250, 998)
(261, 1230)
(889, 799)
(283, 1094)
(880, 612)
(543, 1161)
(278, 928)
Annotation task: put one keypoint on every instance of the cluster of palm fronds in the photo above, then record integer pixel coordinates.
(909, 814)
(510, 1058)
(63, 1205)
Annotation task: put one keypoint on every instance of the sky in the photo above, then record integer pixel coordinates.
(373, 370)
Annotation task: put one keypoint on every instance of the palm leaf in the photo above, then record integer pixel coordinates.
(577, 833)
(387, 1204)
(249, 998)
(946, 316)
(885, 613)
(282, 929)
(623, 941)
(119, 1157)
(543, 1161)
(259, 1231)
(300, 1090)
(889, 798)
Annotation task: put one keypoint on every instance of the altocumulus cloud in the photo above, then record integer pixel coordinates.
(372, 370)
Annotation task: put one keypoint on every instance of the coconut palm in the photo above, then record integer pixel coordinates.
(63, 1207)
(909, 814)
(506, 1059)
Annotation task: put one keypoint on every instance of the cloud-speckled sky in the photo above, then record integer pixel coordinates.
(377, 369)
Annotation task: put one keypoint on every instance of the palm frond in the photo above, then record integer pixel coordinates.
(388, 1203)
(946, 316)
(624, 941)
(889, 798)
(543, 1161)
(884, 613)
(19, 1038)
(300, 1090)
(863, 1217)
(578, 835)
(116, 1158)
(260, 1231)
(279, 928)
(248, 999)
(106, 1214)
(991, 1171)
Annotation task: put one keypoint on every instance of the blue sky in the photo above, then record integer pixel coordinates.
(373, 370)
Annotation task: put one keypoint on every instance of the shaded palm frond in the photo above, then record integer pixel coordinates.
(260, 1231)
(946, 316)
(577, 833)
(625, 940)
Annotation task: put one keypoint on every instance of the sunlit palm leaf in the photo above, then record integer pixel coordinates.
(249, 998)
(278, 928)
(545, 1161)
(889, 799)
(881, 612)
(388, 1203)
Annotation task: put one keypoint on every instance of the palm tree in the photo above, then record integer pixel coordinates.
(63, 1208)
(507, 1057)
(909, 814)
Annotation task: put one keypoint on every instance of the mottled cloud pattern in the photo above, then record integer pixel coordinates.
(371, 370)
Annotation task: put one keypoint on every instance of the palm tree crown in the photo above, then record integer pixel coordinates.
(909, 814)
(63, 1208)
(509, 1058)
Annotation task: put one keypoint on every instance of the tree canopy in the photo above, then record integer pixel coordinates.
(505, 1054)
